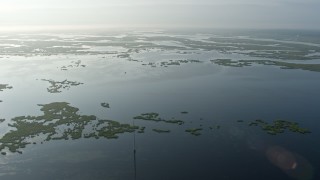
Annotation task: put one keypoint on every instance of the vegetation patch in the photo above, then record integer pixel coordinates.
(141, 130)
(105, 105)
(229, 62)
(282, 65)
(194, 131)
(113, 128)
(5, 86)
(155, 117)
(161, 130)
(59, 121)
(178, 62)
(57, 86)
(74, 64)
(279, 126)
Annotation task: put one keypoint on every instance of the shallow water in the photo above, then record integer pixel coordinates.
(215, 97)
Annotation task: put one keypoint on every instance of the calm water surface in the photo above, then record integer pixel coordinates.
(133, 74)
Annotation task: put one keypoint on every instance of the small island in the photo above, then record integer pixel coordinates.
(105, 105)
(155, 117)
(279, 126)
(194, 131)
(5, 86)
(57, 86)
(161, 131)
(48, 127)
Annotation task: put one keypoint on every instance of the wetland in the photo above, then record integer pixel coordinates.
(179, 99)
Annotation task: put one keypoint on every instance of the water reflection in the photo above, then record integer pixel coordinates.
(291, 163)
(281, 158)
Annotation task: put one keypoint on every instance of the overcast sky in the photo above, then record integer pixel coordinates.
(296, 14)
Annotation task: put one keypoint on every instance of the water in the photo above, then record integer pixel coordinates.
(167, 73)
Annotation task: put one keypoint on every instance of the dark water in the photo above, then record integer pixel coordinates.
(129, 72)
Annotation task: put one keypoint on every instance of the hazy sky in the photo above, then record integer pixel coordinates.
(161, 13)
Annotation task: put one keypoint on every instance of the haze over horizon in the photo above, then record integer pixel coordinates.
(272, 14)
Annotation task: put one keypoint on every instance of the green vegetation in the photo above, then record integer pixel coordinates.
(5, 86)
(308, 67)
(155, 117)
(262, 48)
(112, 128)
(178, 62)
(57, 86)
(229, 62)
(161, 131)
(149, 116)
(279, 126)
(141, 130)
(282, 65)
(59, 121)
(170, 63)
(272, 49)
(106, 105)
(174, 121)
(194, 131)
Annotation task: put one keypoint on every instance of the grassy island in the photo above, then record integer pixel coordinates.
(106, 105)
(279, 126)
(73, 64)
(5, 86)
(161, 131)
(59, 121)
(194, 131)
(155, 117)
(281, 64)
(141, 130)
